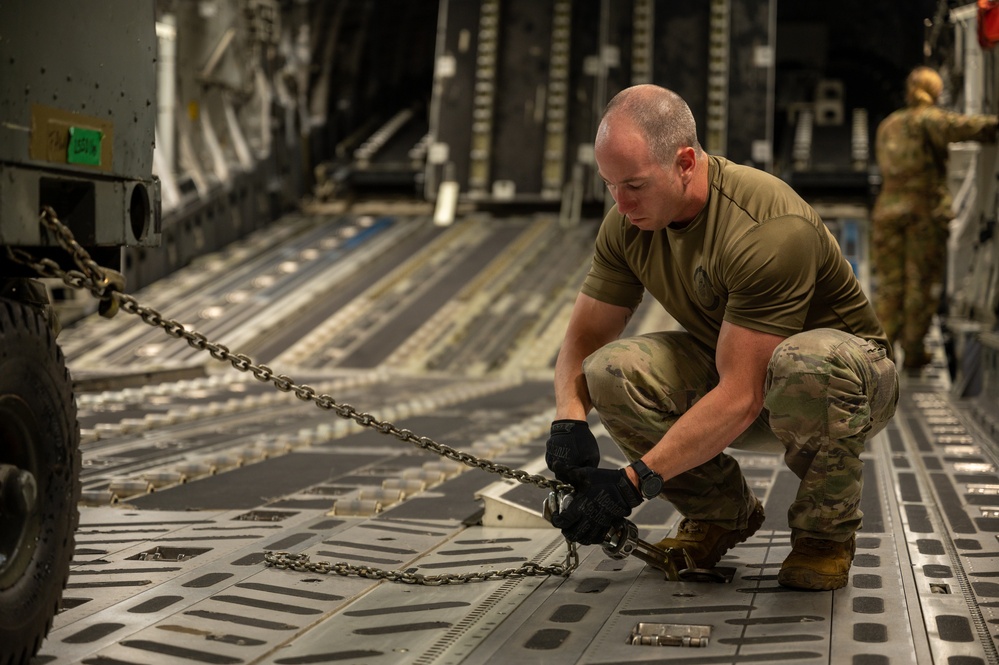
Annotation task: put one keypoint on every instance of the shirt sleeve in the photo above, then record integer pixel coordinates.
(771, 276)
(943, 127)
(611, 279)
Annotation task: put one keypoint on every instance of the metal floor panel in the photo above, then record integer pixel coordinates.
(133, 600)
(189, 482)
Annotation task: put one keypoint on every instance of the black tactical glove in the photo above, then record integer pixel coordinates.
(603, 497)
(571, 445)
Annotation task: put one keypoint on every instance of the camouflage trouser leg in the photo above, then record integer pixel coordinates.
(910, 255)
(640, 386)
(888, 259)
(831, 390)
(925, 263)
(827, 393)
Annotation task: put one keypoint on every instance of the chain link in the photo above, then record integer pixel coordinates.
(93, 278)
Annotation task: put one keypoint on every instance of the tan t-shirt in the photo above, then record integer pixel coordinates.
(757, 256)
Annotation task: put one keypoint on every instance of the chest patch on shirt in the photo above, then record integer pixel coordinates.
(706, 296)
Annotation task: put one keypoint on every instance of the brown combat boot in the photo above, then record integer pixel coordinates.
(706, 542)
(817, 565)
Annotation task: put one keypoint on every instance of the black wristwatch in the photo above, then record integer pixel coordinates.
(650, 483)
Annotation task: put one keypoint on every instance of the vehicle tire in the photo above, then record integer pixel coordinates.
(39, 433)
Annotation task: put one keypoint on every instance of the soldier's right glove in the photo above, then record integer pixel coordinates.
(571, 445)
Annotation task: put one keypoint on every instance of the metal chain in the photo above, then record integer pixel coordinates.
(301, 563)
(92, 277)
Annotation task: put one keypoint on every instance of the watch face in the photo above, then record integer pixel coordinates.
(652, 486)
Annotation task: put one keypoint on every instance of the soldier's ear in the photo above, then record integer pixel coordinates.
(686, 160)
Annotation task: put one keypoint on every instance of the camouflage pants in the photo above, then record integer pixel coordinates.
(909, 252)
(827, 393)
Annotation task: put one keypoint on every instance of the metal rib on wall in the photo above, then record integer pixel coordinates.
(500, 87)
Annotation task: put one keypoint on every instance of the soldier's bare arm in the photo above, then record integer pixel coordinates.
(593, 323)
(725, 411)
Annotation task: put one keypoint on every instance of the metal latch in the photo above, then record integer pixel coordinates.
(669, 635)
(169, 553)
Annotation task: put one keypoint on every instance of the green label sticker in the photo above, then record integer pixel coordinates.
(84, 146)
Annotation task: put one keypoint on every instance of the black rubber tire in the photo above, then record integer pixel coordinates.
(39, 432)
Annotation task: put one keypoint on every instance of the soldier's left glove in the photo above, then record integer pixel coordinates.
(603, 497)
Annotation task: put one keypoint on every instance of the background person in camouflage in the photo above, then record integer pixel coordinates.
(913, 209)
(778, 339)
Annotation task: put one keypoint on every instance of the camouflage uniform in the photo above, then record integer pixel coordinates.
(827, 393)
(911, 216)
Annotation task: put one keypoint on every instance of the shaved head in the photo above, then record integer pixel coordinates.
(661, 116)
